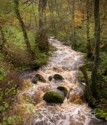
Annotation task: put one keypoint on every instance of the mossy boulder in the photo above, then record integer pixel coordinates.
(50, 78)
(54, 96)
(35, 80)
(40, 78)
(58, 77)
(63, 89)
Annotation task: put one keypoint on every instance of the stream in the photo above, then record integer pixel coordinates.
(74, 110)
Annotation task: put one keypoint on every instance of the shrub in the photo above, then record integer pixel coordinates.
(40, 58)
(101, 114)
(3, 73)
(17, 56)
(8, 89)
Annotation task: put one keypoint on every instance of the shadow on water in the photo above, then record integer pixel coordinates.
(97, 122)
(27, 73)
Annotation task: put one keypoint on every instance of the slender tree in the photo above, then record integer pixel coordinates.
(22, 25)
(97, 44)
(42, 38)
(73, 25)
(3, 39)
(72, 10)
(89, 51)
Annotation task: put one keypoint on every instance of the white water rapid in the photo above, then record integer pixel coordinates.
(73, 111)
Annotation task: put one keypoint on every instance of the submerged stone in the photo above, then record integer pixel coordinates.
(50, 78)
(54, 96)
(55, 68)
(58, 77)
(40, 78)
(35, 80)
(63, 89)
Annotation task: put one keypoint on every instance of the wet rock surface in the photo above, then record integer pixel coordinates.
(54, 96)
(58, 77)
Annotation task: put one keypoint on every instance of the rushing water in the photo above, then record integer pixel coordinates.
(73, 111)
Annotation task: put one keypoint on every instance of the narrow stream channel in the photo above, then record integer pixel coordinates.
(74, 110)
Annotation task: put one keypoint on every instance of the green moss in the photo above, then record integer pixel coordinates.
(50, 78)
(40, 59)
(58, 77)
(52, 48)
(3, 73)
(10, 120)
(81, 77)
(101, 114)
(63, 89)
(104, 93)
(53, 97)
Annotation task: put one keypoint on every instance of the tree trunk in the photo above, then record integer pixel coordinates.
(72, 10)
(73, 24)
(97, 44)
(3, 40)
(79, 5)
(89, 51)
(16, 2)
(42, 38)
